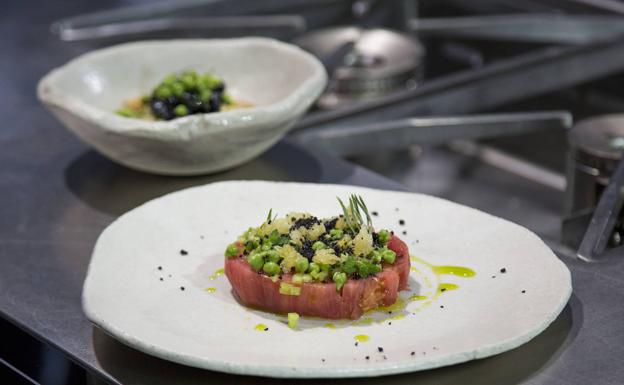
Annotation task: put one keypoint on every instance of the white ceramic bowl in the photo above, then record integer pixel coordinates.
(279, 79)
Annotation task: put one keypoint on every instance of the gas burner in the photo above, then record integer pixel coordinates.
(597, 143)
(596, 147)
(364, 63)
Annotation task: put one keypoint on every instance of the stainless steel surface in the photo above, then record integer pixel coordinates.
(504, 81)
(603, 220)
(196, 27)
(536, 28)
(379, 61)
(397, 134)
(58, 196)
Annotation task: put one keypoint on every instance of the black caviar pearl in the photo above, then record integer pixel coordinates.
(161, 109)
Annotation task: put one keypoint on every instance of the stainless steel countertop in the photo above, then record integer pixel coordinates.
(58, 196)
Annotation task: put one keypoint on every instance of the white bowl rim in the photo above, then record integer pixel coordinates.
(192, 125)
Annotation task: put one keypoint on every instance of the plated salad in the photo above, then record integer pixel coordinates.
(337, 268)
(180, 95)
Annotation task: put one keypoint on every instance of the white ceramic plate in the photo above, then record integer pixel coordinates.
(133, 289)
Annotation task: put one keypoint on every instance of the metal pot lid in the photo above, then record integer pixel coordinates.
(599, 141)
(370, 60)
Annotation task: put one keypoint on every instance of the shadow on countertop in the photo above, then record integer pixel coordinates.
(115, 189)
(130, 366)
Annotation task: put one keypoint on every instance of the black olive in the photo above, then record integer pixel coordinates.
(161, 109)
(220, 88)
(215, 102)
(193, 102)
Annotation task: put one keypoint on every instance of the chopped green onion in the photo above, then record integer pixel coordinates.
(288, 289)
(293, 318)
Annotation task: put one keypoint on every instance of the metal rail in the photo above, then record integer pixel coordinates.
(362, 139)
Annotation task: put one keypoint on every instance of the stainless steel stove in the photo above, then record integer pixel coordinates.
(498, 105)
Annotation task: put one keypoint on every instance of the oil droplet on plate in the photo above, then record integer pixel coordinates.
(361, 338)
(260, 327)
(458, 271)
(217, 274)
(210, 289)
(330, 326)
(447, 287)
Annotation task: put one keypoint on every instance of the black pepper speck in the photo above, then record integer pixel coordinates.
(322, 359)
(266, 329)
(404, 232)
(503, 270)
(367, 357)
(380, 349)
(413, 353)
(356, 344)
(159, 267)
(390, 323)
(183, 252)
(182, 288)
(375, 213)
(441, 306)
(161, 278)
(401, 222)
(523, 291)
(493, 276)
(443, 289)
(385, 358)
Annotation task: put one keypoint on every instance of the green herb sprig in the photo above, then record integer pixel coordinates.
(353, 214)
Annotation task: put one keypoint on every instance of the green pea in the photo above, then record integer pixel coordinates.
(231, 250)
(126, 112)
(297, 279)
(318, 245)
(314, 267)
(205, 95)
(388, 256)
(301, 265)
(271, 268)
(376, 256)
(384, 236)
(363, 268)
(336, 233)
(178, 89)
(273, 256)
(322, 276)
(211, 81)
(339, 279)
(163, 92)
(169, 80)
(181, 110)
(227, 99)
(189, 81)
(256, 261)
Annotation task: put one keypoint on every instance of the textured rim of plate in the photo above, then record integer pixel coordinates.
(286, 108)
(278, 371)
